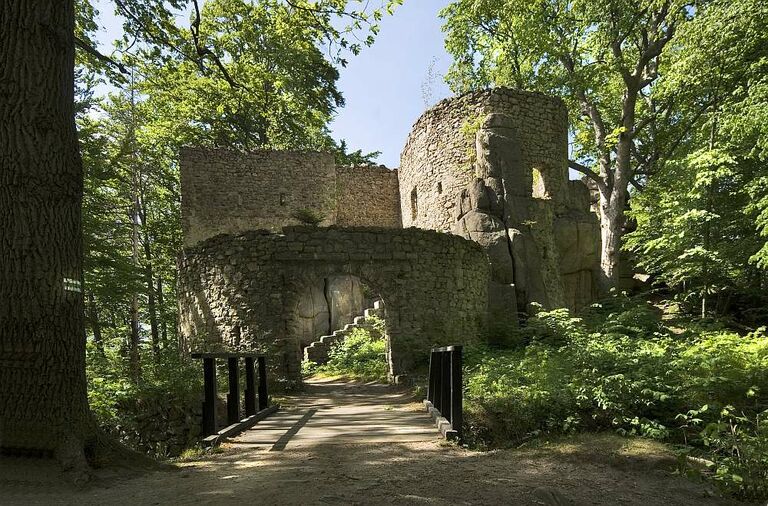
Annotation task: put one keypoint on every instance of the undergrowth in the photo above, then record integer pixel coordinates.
(618, 367)
(362, 355)
(152, 415)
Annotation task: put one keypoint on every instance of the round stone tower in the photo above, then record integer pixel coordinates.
(492, 166)
(438, 160)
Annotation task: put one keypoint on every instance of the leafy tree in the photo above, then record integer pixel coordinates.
(692, 230)
(41, 185)
(700, 215)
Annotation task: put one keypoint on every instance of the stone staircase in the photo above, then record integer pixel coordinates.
(318, 351)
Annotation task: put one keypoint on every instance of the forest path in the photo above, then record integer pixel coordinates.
(353, 443)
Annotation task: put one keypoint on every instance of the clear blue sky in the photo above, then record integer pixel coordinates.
(383, 86)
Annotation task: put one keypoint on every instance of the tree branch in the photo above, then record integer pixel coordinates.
(572, 164)
(100, 56)
(204, 51)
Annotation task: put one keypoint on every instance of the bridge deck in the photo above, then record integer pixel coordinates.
(334, 412)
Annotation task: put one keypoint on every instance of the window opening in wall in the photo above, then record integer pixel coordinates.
(282, 199)
(414, 204)
(439, 187)
(539, 190)
(236, 335)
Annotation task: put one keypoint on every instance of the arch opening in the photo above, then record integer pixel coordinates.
(332, 308)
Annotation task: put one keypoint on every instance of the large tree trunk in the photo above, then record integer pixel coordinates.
(613, 194)
(611, 224)
(134, 357)
(160, 303)
(43, 402)
(151, 304)
(134, 342)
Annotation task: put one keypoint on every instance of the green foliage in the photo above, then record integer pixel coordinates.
(692, 229)
(362, 355)
(343, 157)
(164, 401)
(620, 368)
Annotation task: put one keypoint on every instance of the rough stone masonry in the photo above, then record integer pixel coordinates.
(479, 223)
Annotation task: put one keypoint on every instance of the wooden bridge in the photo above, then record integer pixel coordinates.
(330, 411)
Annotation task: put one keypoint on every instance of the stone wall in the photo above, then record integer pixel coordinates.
(161, 424)
(226, 192)
(367, 196)
(248, 288)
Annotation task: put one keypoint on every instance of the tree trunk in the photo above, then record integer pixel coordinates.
(160, 304)
(135, 338)
(151, 305)
(613, 199)
(611, 223)
(43, 402)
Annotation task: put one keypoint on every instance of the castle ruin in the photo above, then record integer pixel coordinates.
(479, 223)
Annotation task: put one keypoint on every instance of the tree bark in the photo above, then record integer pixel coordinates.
(151, 304)
(43, 401)
(135, 337)
(160, 303)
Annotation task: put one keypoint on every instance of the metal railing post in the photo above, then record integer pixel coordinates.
(457, 394)
(445, 389)
(438, 398)
(209, 404)
(233, 397)
(263, 393)
(250, 388)
(431, 385)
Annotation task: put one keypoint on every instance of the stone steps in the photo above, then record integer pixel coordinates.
(318, 350)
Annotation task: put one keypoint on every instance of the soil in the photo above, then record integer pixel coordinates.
(352, 443)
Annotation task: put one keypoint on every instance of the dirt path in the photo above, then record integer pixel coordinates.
(347, 443)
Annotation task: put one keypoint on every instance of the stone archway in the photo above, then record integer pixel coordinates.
(327, 303)
(435, 286)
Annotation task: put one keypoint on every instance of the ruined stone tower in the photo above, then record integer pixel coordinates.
(492, 166)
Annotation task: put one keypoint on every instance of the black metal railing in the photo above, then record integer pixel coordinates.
(444, 392)
(234, 422)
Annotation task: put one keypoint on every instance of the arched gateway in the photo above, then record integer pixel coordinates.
(244, 289)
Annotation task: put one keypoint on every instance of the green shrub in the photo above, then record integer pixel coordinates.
(362, 355)
(620, 368)
(165, 401)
